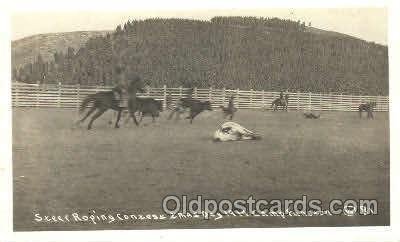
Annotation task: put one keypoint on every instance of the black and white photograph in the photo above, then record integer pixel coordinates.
(200, 119)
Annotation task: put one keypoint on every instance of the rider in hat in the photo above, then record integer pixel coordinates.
(121, 85)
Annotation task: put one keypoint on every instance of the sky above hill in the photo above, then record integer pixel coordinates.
(365, 23)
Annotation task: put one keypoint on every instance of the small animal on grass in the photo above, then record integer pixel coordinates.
(195, 107)
(230, 110)
(311, 116)
(367, 107)
(231, 131)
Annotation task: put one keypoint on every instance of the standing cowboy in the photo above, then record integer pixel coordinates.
(286, 100)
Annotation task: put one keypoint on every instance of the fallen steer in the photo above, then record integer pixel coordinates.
(231, 131)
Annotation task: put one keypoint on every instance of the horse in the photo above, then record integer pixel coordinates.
(282, 102)
(105, 100)
(195, 106)
(230, 110)
(367, 107)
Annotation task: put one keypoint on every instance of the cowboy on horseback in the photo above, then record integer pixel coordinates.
(102, 101)
(282, 101)
(121, 86)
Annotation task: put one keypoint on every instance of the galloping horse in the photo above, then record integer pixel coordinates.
(102, 101)
(282, 102)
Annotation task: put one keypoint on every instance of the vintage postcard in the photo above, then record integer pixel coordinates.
(200, 119)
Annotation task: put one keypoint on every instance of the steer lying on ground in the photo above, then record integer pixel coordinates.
(231, 131)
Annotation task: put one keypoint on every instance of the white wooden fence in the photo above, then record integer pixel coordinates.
(70, 96)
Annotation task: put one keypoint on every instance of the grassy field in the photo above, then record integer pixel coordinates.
(60, 169)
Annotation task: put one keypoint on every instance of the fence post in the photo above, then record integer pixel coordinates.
(148, 91)
(341, 101)
(309, 101)
(164, 97)
(237, 98)
(16, 95)
(180, 92)
(350, 103)
(210, 94)
(78, 96)
(251, 98)
(37, 96)
(263, 98)
(320, 102)
(298, 101)
(195, 92)
(59, 95)
(223, 96)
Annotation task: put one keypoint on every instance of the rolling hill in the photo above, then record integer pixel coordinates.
(26, 50)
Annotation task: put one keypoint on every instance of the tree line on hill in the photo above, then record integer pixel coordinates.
(232, 52)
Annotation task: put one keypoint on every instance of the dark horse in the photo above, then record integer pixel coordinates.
(195, 106)
(367, 107)
(102, 101)
(282, 102)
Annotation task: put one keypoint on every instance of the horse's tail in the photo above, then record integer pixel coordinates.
(90, 98)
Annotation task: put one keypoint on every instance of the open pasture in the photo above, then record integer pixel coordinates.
(59, 168)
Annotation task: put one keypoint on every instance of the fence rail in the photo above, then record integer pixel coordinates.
(70, 96)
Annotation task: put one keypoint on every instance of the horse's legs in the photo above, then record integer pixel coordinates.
(360, 113)
(87, 114)
(141, 117)
(171, 114)
(232, 114)
(132, 114)
(178, 115)
(127, 117)
(118, 118)
(192, 115)
(154, 118)
(95, 116)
